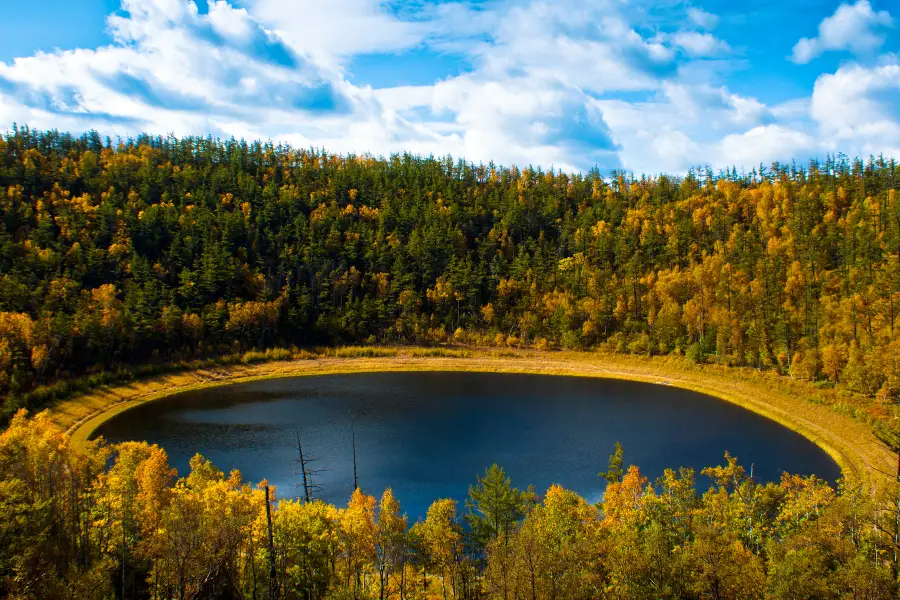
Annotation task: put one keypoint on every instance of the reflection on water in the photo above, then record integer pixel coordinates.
(427, 435)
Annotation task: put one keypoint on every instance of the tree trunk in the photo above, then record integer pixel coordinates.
(124, 555)
(273, 579)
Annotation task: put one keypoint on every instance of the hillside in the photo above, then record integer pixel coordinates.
(161, 249)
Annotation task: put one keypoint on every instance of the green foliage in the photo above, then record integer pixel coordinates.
(614, 471)
(695, 354)
(495, 506)
(117, 522)
(164, 250)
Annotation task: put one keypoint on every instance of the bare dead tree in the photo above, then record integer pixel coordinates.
(310, 487)
(273, 573)
(353, 434)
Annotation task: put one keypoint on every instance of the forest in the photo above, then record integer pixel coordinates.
(123, 255)
(157, 250)
(117, 521)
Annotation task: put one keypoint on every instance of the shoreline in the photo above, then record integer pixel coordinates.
(849, 442)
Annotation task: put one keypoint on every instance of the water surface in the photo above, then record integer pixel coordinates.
(427, 435)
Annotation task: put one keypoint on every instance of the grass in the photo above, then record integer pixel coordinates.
(836, 421)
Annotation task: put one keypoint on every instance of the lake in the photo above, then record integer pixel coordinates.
(428, 434)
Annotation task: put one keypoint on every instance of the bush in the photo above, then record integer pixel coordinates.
(257, 356)
(439, 353)
(617, 342)
(298, 354)
(695, 353)
(571, 340)
(641, 345)
(364, 352)
(861, 373)
(805, 364)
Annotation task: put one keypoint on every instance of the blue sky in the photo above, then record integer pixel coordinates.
(650, 86)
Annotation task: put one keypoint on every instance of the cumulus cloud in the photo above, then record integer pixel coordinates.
(857, 107)
(332, 30)
(854, 27)
(701, 18)
(526, 121)
(172, 69)
(764, 144)
(231, 22)
(682, 126)
(529, 99)
(702, 45)
(572, 84)
(593, 48)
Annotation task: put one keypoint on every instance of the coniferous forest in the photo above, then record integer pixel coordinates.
(117, 254)
(158, 249)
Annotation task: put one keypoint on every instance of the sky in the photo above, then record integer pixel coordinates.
(642, 85)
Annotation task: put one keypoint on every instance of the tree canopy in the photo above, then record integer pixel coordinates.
(155, 250)
(118, 522)
(158, 249)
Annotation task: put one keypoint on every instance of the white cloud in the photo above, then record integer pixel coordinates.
(681, 127)
(701, 45)
(528, 99)
(701, 18)
(526, 121)
(593, 48)
(764, 144)
(571, 83)
(854, 27)
(231, 22)
(332, 30)
(669, 144)
(857, 109)
(169, 68)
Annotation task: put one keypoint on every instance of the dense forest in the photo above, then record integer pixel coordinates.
(155, 250)
(107, 522)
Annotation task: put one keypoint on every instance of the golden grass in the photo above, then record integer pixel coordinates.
(823, 416)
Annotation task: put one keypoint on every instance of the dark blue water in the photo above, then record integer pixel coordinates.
(427, 435)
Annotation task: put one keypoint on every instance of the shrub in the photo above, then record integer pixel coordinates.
(570, 339)
(805, 364)
(641, 345)
(695, 353)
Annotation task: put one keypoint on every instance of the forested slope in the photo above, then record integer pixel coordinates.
(113, 522)
(161, 249)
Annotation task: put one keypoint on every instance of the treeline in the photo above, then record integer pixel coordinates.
(155, 250)
(116, 522)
